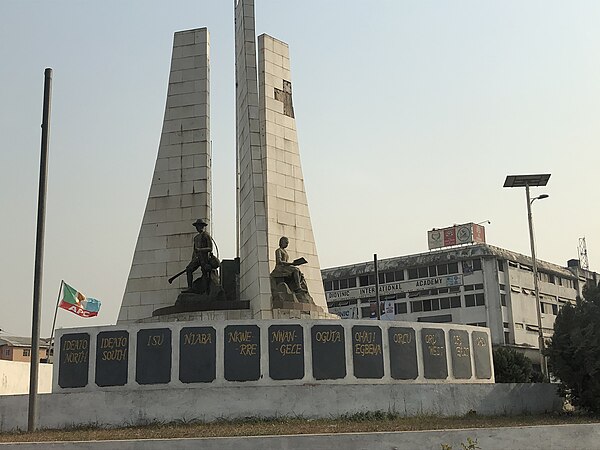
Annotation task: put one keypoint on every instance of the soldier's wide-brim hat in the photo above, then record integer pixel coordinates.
(200, 222)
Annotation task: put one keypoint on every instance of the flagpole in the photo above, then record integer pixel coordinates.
(54, 320)
(39, 258)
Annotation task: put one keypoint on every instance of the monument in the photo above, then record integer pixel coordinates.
(258, 320)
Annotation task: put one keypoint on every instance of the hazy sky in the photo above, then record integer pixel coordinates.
(410, 114)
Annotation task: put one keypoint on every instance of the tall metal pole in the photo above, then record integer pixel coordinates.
(536, 287)
(377, 287)
(39, 257)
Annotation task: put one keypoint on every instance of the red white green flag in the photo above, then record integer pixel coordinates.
(78, 303)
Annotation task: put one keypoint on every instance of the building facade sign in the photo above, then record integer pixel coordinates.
(468, 233)
(395, 288)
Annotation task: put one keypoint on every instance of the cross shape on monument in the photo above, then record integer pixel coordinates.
(285, 96)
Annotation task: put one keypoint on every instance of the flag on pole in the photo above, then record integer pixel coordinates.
(78, 303)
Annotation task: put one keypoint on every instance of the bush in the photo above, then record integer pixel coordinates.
(511, 366)
(574, 351)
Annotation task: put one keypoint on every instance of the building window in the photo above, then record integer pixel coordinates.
(363, 280)
(344, 284)
(503, 299)
(389, 277)
(479, 299)
(502, 287)
(506, 337)
(365, 312)
(479, 286)
(468, 287)
(435, 304)
(453, 268)
(7, 352)
(413, 274)
(454, 289)
(432, 271)
(442, 269)
(469, 300)
(352, 282)
(399, 275)
(476, 264)
(401, 295)
(327, 285)
(26, 352)
(474, 300)
(500, 266)
(513, 264)
(400, 308)
(554, 309)
(505, 324)
(423, 272)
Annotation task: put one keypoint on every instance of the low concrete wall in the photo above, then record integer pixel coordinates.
(14, 378)
(547, 437)
(120, 408)
(269, 352)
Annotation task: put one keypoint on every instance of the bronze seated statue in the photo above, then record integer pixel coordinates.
(287, 281)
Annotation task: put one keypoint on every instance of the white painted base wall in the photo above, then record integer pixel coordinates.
(121, 408)
(14, 378)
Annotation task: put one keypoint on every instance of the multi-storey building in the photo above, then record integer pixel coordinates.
(475, 285)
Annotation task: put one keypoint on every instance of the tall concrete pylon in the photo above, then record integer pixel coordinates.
(252, 221)
(271, 196)
(285, 196)
(181, 185)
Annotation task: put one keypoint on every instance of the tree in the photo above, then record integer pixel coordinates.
(511, 366)
(574, 351)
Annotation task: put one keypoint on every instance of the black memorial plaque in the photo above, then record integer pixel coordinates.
(435, 364)
(367, 351)
(481, 353)
(242, 353)
(460, 351)
(328, 352)
(153, 358)
(112, 358)
(403, 353)
(197, 354)
(74, 360)
(286, 352)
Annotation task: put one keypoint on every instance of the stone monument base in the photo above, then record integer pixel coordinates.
(200, 316)
(296, 310)
(189, 303)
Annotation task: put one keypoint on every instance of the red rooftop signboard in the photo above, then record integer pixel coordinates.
(468, 233)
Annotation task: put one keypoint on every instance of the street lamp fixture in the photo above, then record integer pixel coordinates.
(527, 181)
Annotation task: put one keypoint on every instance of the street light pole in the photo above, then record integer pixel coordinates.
(536, 287)
(526, 181)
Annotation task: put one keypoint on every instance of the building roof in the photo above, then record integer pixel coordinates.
(446, 255)
(18, 341)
